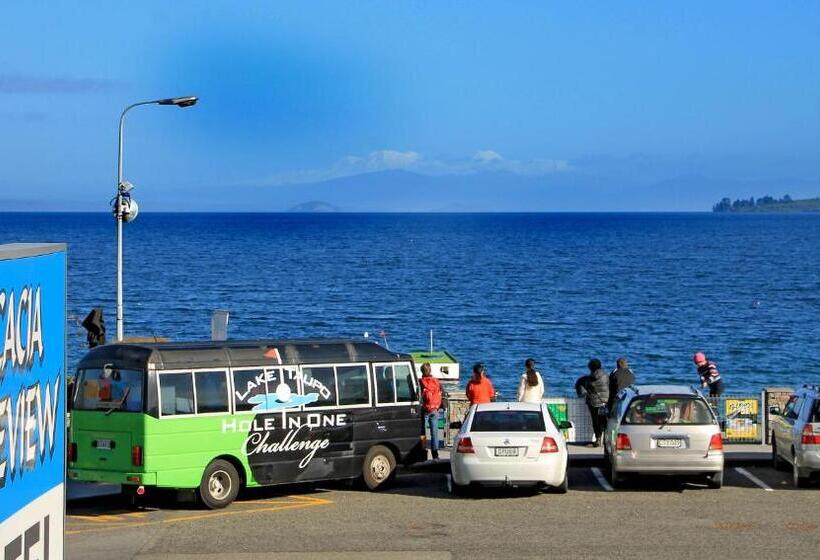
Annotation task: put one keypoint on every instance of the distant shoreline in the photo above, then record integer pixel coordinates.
(415, 213)
(768, 205)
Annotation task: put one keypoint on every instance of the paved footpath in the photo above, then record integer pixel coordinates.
(758, 514)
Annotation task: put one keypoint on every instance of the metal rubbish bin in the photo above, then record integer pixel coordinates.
(456, 405)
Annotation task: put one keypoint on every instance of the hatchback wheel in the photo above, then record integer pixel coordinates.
(615, 477)
(379, 468)
(777, 462)
(798, 480)
(715, 480)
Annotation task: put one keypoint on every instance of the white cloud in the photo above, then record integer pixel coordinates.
(487, 155)
(387, 160)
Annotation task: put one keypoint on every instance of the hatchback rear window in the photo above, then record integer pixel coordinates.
(508, 421)
(668, 409)
(815, 415)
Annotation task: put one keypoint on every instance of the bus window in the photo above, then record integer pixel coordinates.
(385, 389)
(211, 392)
(107, 388)
(322, 381)
(405, 386)
(353, 386)
(176, 393)
(246, 384)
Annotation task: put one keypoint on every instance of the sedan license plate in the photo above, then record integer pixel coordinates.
(103, 444)
(506, 452)
(670, 443)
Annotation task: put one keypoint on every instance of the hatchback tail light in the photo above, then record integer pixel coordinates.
(549, 445)
(622, 443)
(465, 445)
(809, 437)
(72, 452)
(136, 455)
(716, 443)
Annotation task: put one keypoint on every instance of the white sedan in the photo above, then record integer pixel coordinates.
(509, 444)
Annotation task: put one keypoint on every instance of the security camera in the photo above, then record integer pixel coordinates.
(126, 186)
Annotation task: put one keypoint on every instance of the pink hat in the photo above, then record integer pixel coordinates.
(699, 357)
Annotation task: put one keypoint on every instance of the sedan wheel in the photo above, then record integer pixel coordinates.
(564, 486)
(453, 488)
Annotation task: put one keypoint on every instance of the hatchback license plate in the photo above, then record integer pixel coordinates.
(506, 452)
(104, 444)
(670, 443)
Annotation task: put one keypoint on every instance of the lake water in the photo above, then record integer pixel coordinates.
(496, 288)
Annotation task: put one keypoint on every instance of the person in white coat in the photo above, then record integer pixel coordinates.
(531, 388)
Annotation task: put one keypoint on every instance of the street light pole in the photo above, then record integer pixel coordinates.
(123, 188)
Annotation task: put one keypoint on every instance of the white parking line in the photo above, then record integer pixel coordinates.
(599, 476)
(754, 479)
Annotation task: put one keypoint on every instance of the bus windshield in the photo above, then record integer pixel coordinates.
(109, 388)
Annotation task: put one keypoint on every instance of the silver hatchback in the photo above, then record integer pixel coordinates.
(663, 429)
(796, 435)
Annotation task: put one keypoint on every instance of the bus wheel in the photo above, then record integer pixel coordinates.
(379, 467)
(220, 484)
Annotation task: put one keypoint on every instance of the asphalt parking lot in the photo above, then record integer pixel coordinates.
(757, 514)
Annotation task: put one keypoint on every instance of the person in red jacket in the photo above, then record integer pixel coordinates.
(431, 402)
(480, 389)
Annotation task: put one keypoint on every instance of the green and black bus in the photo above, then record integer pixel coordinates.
(217, 416)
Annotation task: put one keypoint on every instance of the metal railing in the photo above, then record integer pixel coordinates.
(743, 417)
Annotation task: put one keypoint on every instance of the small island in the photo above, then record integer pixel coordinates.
(768, 204)
(315, 206)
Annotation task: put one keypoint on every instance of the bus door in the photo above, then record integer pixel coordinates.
(397, 414)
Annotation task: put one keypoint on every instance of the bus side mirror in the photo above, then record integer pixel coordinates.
(455, 425)
(775, 410)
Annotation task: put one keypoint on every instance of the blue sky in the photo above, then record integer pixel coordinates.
(294, 93)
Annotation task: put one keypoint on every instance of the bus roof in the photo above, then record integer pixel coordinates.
(237, 353)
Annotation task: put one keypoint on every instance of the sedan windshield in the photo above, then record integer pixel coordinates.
(668, 409)
(508, 421)
(109, 388)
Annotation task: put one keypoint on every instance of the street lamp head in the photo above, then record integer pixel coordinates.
(179, 101)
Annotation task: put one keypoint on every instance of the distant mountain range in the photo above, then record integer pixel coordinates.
(406, 191)
(315, 206)
(592, 186)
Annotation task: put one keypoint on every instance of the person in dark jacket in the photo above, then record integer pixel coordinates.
(596, 391)
(620, 378)
(709, 374)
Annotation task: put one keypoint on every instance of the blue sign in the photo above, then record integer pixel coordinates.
(32, 399)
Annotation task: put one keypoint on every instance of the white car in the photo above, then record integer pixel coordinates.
(509, 444)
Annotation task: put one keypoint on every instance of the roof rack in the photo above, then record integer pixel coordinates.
(811, 386)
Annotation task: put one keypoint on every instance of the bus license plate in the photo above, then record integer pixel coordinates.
(670, 443)
(104, 444)
(506, 452)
